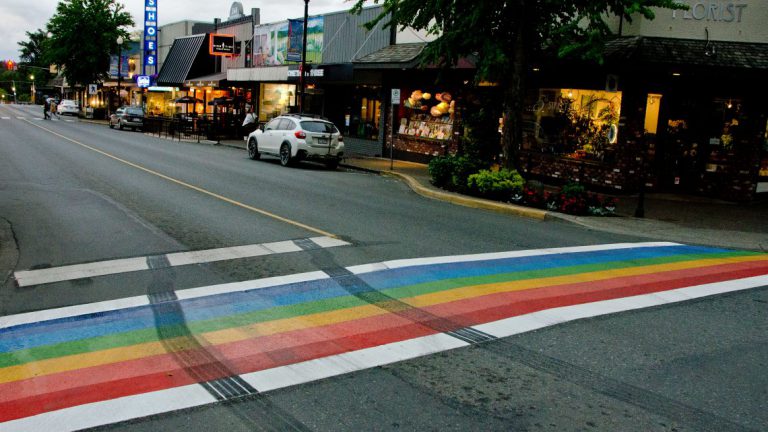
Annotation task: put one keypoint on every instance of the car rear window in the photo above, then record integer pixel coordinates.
(318, 126)
(134, 111)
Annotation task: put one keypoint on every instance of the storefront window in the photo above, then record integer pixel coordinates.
(364, 113)
(275, 99)
(764, 156)
(427, 115)
(576, 123)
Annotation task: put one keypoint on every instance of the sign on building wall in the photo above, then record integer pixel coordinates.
(222, 45)
(712, 11)
(271, 43)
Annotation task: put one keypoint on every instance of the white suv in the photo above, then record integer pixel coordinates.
(295, 137)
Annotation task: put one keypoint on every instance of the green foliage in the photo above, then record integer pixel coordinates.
(441, 170)
(499, 185)
(32, 49)
(573, 189)
(451, 172)
(84, 35)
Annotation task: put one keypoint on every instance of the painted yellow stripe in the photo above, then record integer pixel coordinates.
(190, 186)
(115, 355)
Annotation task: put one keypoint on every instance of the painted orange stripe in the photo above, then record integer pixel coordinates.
(115, 355)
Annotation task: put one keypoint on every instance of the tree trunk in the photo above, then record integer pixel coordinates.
(514, 90)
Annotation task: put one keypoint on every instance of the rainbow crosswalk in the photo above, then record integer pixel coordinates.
(131, 358)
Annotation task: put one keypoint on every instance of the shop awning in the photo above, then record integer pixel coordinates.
(214, 80)
(259, 74)
(392, 56)
(695, 52)
(180, 60)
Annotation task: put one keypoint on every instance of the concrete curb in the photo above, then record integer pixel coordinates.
(461, 200)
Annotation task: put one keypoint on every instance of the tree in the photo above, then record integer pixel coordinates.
(83, 36)
(502, 35)
(32, 49)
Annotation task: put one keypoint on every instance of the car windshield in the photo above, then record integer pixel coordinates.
(318, 126)
(134, 111)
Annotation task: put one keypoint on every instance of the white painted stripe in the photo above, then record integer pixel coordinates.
(299, 373)
(125, 265)
(250, 285)
(79, 271)
(109, 305)
(367, 268)
(328, 242)
(195, 257)
(6, 118)
(549, 317)
(283, 247)
(113, 411)
(21, 118)
(72, 311)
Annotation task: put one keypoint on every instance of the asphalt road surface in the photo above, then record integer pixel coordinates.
(108, 235)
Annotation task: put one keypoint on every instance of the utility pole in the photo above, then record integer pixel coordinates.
(303, 68)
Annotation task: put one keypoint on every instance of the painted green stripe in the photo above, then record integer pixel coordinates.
(281, 312)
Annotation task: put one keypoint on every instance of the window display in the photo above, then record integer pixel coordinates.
(276, 99)
(428, 117)
(577, 123)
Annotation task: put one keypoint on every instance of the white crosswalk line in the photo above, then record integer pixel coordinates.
(126, 265)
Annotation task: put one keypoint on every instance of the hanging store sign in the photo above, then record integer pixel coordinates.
(222, 45)
(143, 81)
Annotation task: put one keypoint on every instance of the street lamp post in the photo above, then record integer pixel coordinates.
(34, 99)
(303, 69)
(119, 67)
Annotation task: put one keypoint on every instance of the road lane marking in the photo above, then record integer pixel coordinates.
(276, 333)
(26, 278)
(191, 186)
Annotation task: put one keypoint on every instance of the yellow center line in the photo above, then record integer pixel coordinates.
(190, 186)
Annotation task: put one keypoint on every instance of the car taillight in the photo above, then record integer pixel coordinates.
(300, 134)
(341, 138)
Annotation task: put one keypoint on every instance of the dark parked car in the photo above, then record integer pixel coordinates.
(127, 117)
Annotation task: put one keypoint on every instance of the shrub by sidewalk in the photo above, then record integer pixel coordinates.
(465, 175)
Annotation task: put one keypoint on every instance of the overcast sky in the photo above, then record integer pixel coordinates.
(20, 16)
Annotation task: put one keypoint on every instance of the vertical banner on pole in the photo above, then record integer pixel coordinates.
(295, 40)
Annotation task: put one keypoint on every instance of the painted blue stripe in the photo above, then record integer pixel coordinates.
(204, 308)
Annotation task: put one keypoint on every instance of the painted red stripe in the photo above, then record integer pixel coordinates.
(495, 307)
(348, 336)
(161, 372)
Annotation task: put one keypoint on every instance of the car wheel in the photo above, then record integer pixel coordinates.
(253, 149)
(332, 164)
(285, 155)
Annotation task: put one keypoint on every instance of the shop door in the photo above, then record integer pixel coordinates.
(682, 143)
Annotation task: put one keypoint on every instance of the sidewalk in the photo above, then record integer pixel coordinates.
(677, 218)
